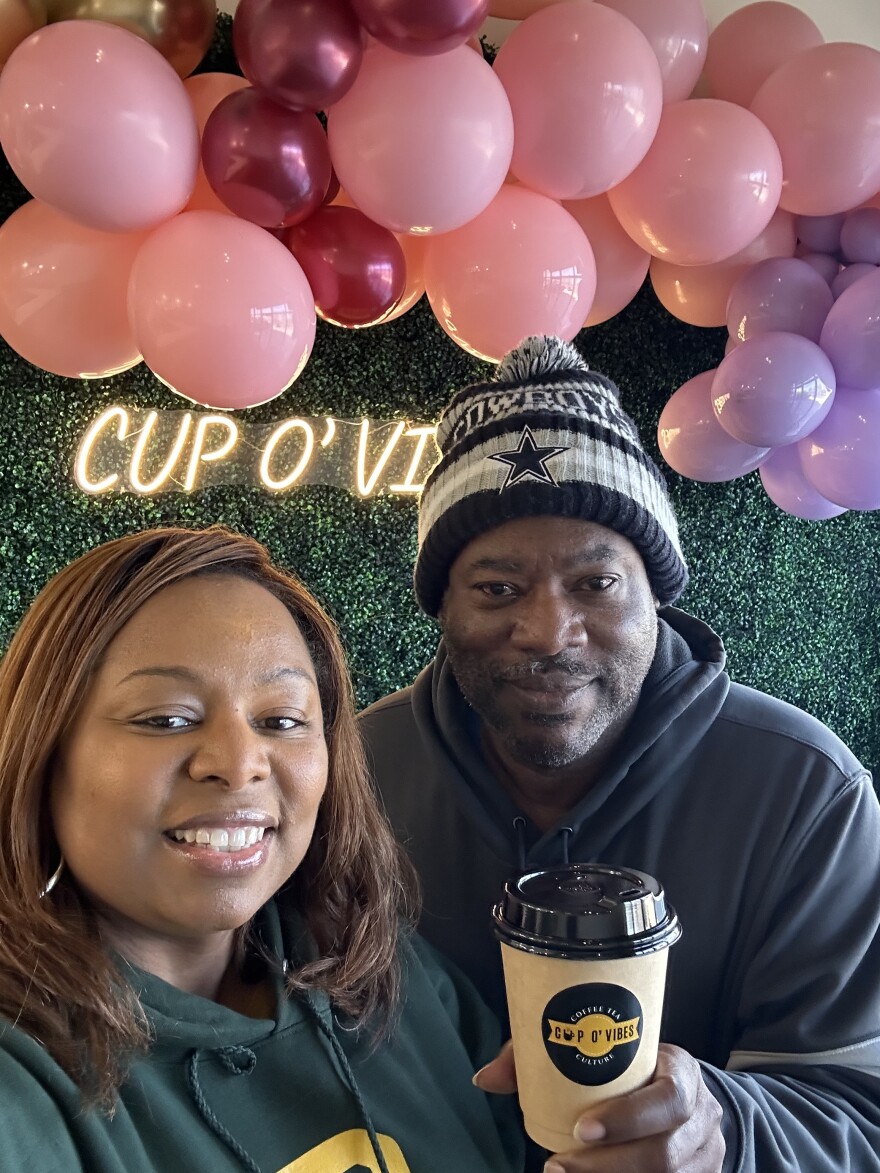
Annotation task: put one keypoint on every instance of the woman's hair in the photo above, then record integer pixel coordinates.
(57, 982)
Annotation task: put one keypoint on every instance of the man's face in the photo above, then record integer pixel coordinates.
(550, 627)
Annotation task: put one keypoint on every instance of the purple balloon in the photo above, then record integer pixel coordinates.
(819, 234)
(268, 164)
(694, 443)
(304, 54)
(860, 236)
(851, 334)
(840, 458)
(849, 274)
(785, 484)
(421, 27)
(773, 389)
(825, 265)
(780, 293)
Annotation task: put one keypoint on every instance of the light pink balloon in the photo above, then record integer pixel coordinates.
(63, 293)
(698, 294)
(422, 144)
(821, 107)
(751, 43)
(206, 91)
(522, 267)
(621, 266)
(707, 187)
(221, 310)
(678, 32)
(586, 94)
(97, 124)
(693, 442)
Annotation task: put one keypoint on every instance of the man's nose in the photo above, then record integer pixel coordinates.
(548, 622)
(230, 753)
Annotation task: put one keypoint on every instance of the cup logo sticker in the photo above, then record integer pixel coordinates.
(592, 1032)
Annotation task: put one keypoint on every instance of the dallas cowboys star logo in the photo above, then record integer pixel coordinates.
(527, 460)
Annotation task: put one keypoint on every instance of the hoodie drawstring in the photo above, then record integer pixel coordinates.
(343, 1062)
(519, 826)
(565, 834)
(237, 1061)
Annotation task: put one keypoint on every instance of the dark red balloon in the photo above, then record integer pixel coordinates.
(355, 267)
(421, 27)
(267, 164)
(304, 53)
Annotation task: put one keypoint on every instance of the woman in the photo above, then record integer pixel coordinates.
(201, 959)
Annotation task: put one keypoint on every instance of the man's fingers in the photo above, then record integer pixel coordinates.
(662, 1106)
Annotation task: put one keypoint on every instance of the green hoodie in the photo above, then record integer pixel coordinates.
(221, 1092)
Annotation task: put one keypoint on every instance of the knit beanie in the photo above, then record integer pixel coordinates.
(546, 436)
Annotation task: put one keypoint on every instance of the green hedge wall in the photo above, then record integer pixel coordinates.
(797, 602)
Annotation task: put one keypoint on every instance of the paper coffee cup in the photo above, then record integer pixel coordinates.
(584, 949)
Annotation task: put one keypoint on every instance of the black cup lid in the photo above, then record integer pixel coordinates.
(586, 908)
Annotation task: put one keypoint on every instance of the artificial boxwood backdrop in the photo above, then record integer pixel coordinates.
(797, 602)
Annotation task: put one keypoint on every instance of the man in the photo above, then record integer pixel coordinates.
(572, 713)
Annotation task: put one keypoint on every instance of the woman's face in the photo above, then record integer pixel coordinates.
(187, 790)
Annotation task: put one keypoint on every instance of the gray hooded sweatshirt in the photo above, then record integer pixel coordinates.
(765, 832)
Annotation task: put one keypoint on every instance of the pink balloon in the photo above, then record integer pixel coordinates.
(268, 164)
(422, 144)
(693, 442)
(779, 294)
(751, 43)
(221, 311)
(821, 107)
(95, 123)
(773, 389)
(698, 294)
(523, 266)
(62, 293)
(707, 187)
(621, 266)
(422, 27)
(206, 91)
(839, 458)
(782, 476)
(303, 54)
(678, 32)
(586, 94)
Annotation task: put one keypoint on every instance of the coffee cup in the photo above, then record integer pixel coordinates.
(584, 949)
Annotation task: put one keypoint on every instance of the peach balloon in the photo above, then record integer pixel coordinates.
(707, 187)
(95, 123)
(698, 294)
(751, 43)
(621, 266)
(586, 94)
(678, 32)
(206, 91)
(822, 109)
(63, 293)
(221, 310)
(523, 266)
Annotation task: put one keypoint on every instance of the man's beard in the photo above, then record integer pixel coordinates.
(549, 741)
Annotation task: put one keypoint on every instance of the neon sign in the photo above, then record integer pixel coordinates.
(133, 451)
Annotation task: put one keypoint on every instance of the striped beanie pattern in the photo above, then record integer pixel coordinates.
(545, 436)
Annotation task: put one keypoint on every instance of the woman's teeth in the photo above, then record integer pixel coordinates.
(220, 839)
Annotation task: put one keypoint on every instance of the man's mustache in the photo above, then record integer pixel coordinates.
(562, 664)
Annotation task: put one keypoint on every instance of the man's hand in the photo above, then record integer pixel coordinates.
(673, 1125)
